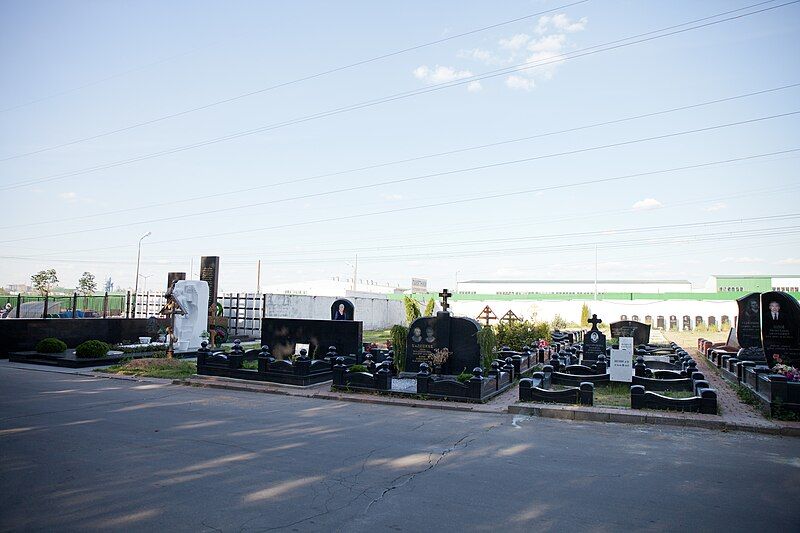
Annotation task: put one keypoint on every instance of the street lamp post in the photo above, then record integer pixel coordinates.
(136, 283)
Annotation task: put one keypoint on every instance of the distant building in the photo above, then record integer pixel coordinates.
(567, 287)
(749, 284)
(333, 287)
(18, 288)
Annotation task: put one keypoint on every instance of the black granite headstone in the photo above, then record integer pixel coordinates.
(172, 277)
(748, 329)
(594, 342)
(780, 328)
(458, 334)
(282, 334)
(343, 309)
(630, 328)
(209, 272)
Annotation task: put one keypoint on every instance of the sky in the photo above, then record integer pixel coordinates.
(231, 129)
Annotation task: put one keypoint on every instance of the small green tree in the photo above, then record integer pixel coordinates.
(86, 286)
(558, 322)
(44, 281)
(430, 307)
(399, 334)
(412, 309)
(487, 340)
(585, 314)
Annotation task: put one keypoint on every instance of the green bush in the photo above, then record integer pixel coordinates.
(50, 345)
(558, 322)
(399, 334)
(487, 340)
(92, 349)
(515, 335)
(412, 309)
(358, 368)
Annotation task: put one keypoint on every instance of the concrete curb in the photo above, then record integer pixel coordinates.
(377, 400)
(586, 414)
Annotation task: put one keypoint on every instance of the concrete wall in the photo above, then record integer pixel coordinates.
(375, 313)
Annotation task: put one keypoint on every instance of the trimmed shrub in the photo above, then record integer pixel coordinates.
(358, 368)
(92, 349)
(50, 345)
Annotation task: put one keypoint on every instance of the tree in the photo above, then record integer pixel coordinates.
(429, 307)
(44, 281)
(585, 315)
(558, 322)
(109, 285)
(412, 309)
(86, 286)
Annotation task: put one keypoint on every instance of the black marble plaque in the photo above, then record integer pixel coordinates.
(209, 272)
(780, 328)
(630, 328)
(594, 344)
(172, 277)
(458, 334)
(748, 329)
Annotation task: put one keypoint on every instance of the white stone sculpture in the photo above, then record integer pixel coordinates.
(192, 295)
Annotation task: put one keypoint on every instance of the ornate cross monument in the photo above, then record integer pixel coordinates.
(445, 294)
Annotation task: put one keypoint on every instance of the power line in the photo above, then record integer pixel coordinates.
(398, 96)
(445, 203)
(404, 180)
(294, 81)
(418, 158)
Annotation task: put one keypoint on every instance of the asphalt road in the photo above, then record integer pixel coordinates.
(82, 454)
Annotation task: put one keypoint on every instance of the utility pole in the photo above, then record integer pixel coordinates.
(355, 274)
(595, 272)
(138, 259)
(258, 278)
(191, 268)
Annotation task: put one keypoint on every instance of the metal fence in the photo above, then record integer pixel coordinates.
(29, 306)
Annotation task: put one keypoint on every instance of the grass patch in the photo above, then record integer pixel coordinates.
(378, 336)
(154, 368)
(250, 365)
(613, 395)
(747, 396)
(619, 395)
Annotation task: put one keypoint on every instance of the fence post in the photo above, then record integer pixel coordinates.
(74, 303)
(44, 310)
(19, 303)
(105, 305)
(128, 305)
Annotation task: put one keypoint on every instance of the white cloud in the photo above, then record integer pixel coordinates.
(716, 207)
(789, 261)
(560, 22)
(647, 203)
(515, 42)
(474, 86)
(742, 260)
(543, 46)
(440, 74)
(520, 83)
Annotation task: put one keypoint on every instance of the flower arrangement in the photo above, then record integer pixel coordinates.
(791, 373)
(439, 357)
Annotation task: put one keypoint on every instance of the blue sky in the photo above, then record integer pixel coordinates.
(73, 70)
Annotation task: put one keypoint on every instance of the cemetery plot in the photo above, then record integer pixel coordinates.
(301, 370)
(768, 341)
(540, 388)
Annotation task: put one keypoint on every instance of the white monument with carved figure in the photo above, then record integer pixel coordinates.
(192, 295)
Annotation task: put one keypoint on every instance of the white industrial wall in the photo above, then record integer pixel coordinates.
(608, 310)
